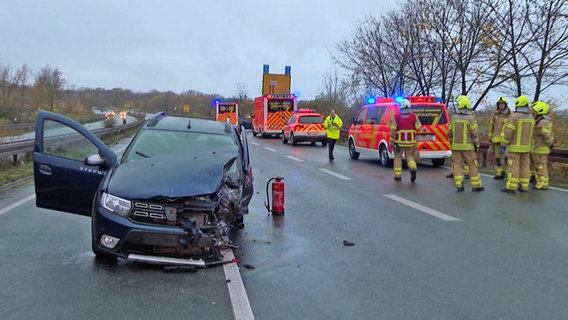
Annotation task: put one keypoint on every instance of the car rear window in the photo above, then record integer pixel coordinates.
(159, 142)
(430, 115)
(310, 120)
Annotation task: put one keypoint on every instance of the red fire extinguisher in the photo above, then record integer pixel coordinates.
(277, 196)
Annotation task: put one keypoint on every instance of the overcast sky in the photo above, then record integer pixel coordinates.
(180, 45)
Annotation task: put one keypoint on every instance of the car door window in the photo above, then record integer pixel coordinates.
(63, 141)
(374, 115)
(360, 116)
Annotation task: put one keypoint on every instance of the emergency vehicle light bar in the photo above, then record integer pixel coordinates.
(421, 98)
(280, 96)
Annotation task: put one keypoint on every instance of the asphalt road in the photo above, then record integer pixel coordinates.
(422, 251)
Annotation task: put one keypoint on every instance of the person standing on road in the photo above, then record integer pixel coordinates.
(403, 139)
(498, 120)
(464, 142)
(543, 141)
(517, 138)
(332, 125)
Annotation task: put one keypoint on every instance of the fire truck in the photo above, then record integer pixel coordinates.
(271, 112)
(227, 110)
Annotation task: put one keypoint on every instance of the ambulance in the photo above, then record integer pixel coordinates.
(370, 132)
(271, 112)
(226, 110)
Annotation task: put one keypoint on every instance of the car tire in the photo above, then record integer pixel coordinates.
(292, 140)
(384, 157)
(352, 153)
(438, 162)
(254, 133)
(263, 135)
(284, 140)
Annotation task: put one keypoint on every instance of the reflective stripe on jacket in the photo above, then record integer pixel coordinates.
(517, 135)
(403, 129)
(332, 127)
(462, 132)
(543, 137)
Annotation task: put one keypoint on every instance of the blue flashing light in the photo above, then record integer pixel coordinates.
(371, 100)
(399, 99)
(296, 94)
(216, 101)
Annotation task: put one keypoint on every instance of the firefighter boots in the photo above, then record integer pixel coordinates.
(412, 175)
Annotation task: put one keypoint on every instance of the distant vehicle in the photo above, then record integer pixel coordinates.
(227, 111)
(370, 132)
(246, 121)
(271, 112)
(304, 125)
(173, 197)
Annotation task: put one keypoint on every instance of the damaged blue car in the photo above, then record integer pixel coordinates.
(175, 196)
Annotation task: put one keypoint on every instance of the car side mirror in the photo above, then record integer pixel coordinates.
(252, 115)
(94, 160)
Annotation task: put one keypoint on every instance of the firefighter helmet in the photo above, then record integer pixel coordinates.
(540, 108)
(502, 99)
(463, 102)
(522, 101)
(405, 104)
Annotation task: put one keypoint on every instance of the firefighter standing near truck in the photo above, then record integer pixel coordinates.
(498, 120)
(332, 125)
(403, 139)
(543, 140)
(464, 141)
(517, 138)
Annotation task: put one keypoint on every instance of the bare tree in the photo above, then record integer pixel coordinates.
(49, 86)
(9, 81)
(240, 93)
(334, 91)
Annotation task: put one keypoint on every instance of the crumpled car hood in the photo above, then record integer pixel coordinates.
(172, 176)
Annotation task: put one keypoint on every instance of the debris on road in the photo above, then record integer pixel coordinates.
(248, 266)
(348, 243)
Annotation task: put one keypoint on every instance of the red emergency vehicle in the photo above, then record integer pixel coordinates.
(271, 112)
(370, 132)
(226, 110)
(304, 125)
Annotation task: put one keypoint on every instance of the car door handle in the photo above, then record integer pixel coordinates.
(45, 169)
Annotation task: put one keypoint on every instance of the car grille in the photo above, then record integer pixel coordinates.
(167, 214)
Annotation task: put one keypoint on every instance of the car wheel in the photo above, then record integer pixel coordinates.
(262, 134)
(254, 133)
(352, 153)
(438, 162)
(284, 140)
(384, 157)
(294, 142)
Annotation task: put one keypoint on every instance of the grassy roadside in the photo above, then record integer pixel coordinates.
(10, 173)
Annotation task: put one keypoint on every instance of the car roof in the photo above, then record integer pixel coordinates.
(188, 124)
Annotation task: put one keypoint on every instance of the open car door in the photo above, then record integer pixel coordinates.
(69, 164)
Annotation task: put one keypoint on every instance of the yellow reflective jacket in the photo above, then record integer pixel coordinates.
(543, 137)
(462, 132)
(332, 127)
(497, 123)
(518, 132)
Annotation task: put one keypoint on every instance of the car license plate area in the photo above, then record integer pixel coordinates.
(425, 137)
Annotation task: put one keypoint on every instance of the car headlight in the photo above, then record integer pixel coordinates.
(115, 204)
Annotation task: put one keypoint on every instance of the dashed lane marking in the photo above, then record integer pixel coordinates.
(270, 149)
(237, 291)
(417, 206)
(255, 143)
(17, 204)
(337, 175)
(295, 159)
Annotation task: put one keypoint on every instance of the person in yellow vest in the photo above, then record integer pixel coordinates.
(403, 139)
(517, 138)
(498, 121)
(543, 140)
(332, 125)
(464, 142)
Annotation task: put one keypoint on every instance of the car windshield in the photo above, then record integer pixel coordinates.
(310, 120)
(430, 115)
(150, 143)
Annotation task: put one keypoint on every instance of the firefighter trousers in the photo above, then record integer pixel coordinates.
(409, 154)
(540, 164)
(469, 158)
(518, 171)
(500, 160)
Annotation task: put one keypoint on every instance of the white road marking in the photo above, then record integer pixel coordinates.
(417, 206)
(337, 175)
(255, 143)
(237, 292)
(295, 159)
(17, 204)
(269, 148)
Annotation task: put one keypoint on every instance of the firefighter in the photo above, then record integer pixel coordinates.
(516, 138)
(464, 141)
(543, 140)
(332, 125)
(403, 139)
(498, 120)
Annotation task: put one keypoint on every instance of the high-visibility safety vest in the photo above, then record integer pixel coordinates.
(403, 128)
(518, 132)
(462, 132)
(543, 137)
(497, 123)
(332, 127)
